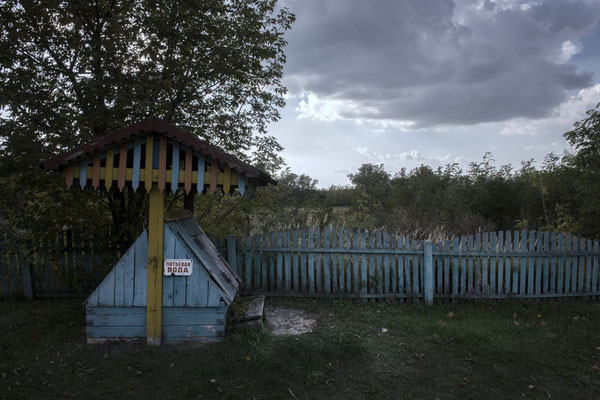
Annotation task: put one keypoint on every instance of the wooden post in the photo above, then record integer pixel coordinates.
(156, 217)
(428, 271)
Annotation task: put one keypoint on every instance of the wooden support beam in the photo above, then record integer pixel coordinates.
(156, 218)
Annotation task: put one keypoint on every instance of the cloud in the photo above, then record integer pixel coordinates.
(414, 156)
(423, 63)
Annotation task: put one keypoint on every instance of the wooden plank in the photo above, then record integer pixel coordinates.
(455, 268)
(162, 164)
(581, 271)
(69, 171)
(379, 268)
(538, 263)
(227, 180)
(371, 274)
(187, 180)
(346, 264)
(248, 265)
(108, 170)
(201, 171)
(168, 281)
(311, 262)
(415, 270)
(471, 246)
(279, 278)
(464, 246)
(122, 166)
(96, 172)
(574, 264)
(334, 259)
(399, 243)
(257, 264)
(588, 269)
(507, 262)
(128, 276)
(355, 266)
(363, 263)
(318, 267)
(271, 260)
(148, 178)
(175, 168)
(137, 164)
(553, 262)
(531, 259)
(303, 285)
(287, 262)
(391, 240)
(326, 263)
(120, 283)
(156, 219)
(264, 262)
(83, 168)
(241, 184)
(560, 278)
(341, 269)
(523, 264)
(485, 283)
(388, 276)
(499, 261)
(214, 171)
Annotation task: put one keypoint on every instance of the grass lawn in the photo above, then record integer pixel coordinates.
(501, 350)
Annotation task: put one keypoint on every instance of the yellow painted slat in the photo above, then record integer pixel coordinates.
(108, 173)
(155, 175)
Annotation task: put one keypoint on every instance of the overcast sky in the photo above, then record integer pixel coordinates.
(411, 82)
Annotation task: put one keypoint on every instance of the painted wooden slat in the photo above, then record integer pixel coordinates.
(393, 265)
(214, 297)
(187, 180)
(264, 258)
(137, 164)
(371, 272)
(162, 164)
(464, 246)
(515, 263)
(400, 277)
(341, 262)
(271, 261)
(326, 264)
(108, 170)
(415, 270)
(318, 268)
(388, 276)
(175, 168)
(574, 263)
(492, 265)
(553, 263)
(287, 262)
(69, 172)
(538, 263)
(83, 169)
(257, 264)
(311, 261)
(122, 166)
(485, 285)
(355, 266)
(334, 259)
(581, 270)
(241, 183)
(560, 279)
(148, 166)
(201, 170)
(523, 264)
(214, 172)
(507, 262)
(455, 268)
(116, 331)
(379, 269)
(120, 284)
(96, 172)
(546, 273)
(279, 256)
(438, 269)
(363, 282)
(169, 252)
(471, 247)
(248, 265)
(303, 273)
(226, 180)
(140, 270)
(175, 317)
(106, 293)
(500, 263)
(588, 268)
(347, 265)
(530, 269)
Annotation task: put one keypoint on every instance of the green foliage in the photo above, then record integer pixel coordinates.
(72, 71)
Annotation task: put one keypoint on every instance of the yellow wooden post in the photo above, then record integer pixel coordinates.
(156, 218)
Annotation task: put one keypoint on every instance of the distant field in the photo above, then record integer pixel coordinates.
(501, 350)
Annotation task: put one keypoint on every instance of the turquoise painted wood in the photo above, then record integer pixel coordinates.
(201, 169)
(137, 160)
(241, 183)
(83, 169)
(326, 265)
(175, 168)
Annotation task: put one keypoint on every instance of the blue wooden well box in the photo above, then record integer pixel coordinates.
(194, 307)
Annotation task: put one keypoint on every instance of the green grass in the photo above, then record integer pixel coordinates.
(554, 352)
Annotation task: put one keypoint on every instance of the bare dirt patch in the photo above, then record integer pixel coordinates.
(288, 321)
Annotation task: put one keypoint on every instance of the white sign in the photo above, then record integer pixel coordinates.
(178, 267)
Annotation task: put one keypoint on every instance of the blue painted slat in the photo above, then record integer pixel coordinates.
(499, 261)
(201, 167)
(241, 183)
(192, 332)
(287, 262)
(523, 265)
(546, 275)
(317, 267)
(311, 260)
(120, 283)
(83, 169)
(538, 264)
(334, 260)
(106, 293)
(560, 279)
(464, 266)
(118, 316)
(326, 265)
(379, 263)
(129, 276)
(553, 263)
(279, 257)
(140, 293)
(363, 265)
(264, 263)
(98, 332)
(493, 263)
(177, 318)
(355, 267)
(455, 268)
(168, 252)
(485, 285)
(175, 168)
(303, 256)
(595, 269)
(388, 278)
(415, 270)
(530, 269)
(180, 283)
(588, 269)
(248, 265)
(507, 262)
(574, 264)
(471, 246)
(137, 160)
(582, 267)
(515, 263)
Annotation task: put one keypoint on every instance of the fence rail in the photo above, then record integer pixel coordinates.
(341, 262)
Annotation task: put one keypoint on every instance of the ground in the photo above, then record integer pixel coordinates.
(500, 350)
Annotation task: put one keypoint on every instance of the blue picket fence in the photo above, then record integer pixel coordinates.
(342, 262)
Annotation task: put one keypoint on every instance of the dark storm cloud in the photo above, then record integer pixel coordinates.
(436, 61)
